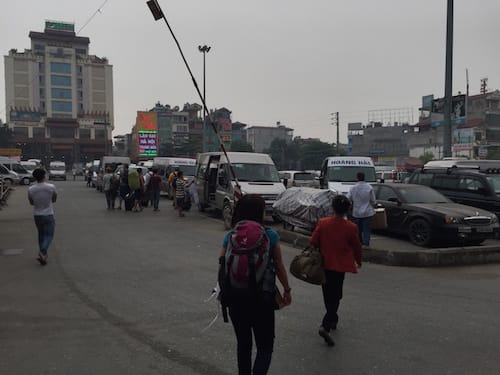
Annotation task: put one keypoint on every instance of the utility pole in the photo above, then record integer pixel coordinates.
(448, 93)
(335, 117)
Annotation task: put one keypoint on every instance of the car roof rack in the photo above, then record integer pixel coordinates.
(437, 164)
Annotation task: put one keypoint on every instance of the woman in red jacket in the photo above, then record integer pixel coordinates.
(338, 241)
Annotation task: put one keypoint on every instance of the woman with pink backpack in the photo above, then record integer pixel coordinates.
(249, 262)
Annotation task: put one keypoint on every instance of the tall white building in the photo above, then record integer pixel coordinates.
(59, 98)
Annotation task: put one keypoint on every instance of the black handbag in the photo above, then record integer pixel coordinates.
(308, 266)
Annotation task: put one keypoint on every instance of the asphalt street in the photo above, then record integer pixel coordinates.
(125, 293)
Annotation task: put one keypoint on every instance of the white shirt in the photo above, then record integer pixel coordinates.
(363, 200)
(41, 194)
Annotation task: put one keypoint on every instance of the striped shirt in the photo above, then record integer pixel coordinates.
(180, 188)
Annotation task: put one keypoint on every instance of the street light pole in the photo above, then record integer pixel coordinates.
(448, 93)
(204, 49)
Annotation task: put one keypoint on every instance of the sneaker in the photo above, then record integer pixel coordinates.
(326, 336)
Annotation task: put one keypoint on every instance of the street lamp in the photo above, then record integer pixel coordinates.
(204, 49)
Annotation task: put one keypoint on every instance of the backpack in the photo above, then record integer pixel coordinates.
(247, 269)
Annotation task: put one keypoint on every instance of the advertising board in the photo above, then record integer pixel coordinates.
(147, 133)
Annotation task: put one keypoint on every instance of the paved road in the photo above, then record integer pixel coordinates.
(124, 294)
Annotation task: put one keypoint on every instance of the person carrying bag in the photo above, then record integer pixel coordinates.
(338, 242)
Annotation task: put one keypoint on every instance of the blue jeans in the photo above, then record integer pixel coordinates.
(46, 226)
(364, 229)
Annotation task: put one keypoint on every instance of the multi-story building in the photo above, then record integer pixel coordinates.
(59, 98)
(238, 132)
(260, 137)
(222, 122)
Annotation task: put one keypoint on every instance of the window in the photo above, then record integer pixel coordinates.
(63, 68)
(84, 133)
(445, 182)
(41, 67)
(38, 132)
(61, 93)
(80, 95)
(471, 184)
(79, 83)
(41, 79)
(384, 193)
(60, 106)
(81, 51)
(100, 134)
(62, 132)
(39, 47)
(60, 80)
(423, 179)
(42, 93)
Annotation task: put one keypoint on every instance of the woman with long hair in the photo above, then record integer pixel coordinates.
(255, 315)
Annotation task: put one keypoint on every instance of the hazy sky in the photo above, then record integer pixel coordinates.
(275, 60)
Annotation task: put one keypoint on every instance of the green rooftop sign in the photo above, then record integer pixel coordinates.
(60, 26)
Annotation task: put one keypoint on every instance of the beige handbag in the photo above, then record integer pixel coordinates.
(308, 266)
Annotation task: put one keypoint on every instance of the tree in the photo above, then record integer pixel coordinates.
(426, 156)
(241, 146)
(6, 136)
(285, 155)
(314, 152)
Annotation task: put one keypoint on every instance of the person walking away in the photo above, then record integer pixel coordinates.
(123, 189)
(180, 192)
(155, 187)
(251, 310)
(106, 180)
(89, 177)
(41, 196)
(338, 241)
(171, 184)
(363, 203)
(148, 194)
(134, 183)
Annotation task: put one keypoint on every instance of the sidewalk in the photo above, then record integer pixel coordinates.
(398, 252)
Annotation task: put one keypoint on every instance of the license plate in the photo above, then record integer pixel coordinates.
(484, 230)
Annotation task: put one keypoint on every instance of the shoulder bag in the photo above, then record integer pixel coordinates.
(308, 266)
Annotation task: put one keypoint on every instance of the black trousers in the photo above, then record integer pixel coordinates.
(257, 318)
(332, 294)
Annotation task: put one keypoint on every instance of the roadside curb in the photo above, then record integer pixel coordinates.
(452, 256)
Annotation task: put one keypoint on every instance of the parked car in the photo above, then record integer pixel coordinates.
(25, 177)
(472, 182)
(391, 176)
(427, 217)
(297, 179)
(9, 177)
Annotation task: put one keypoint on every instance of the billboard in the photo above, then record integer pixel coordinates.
(463, 139)
(458, 111)
(147, 133)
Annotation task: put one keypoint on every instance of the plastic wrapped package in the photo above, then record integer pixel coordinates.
(303, 207)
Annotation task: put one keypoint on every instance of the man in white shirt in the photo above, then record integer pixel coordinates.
(41, 195)
(363, 203)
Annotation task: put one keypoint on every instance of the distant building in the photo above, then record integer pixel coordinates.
(238, 132)
(59, 98)
(222, 121)
(260, 137)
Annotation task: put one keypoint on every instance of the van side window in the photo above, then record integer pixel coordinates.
(470, 184)
(445, 182)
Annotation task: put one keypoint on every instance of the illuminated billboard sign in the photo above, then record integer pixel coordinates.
(147, 133)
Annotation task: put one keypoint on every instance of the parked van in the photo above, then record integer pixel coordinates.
(256, 174)
(338, 173)
(25, 177)
(167, 165)
(57, 170)
(113, 162)
(297, 179)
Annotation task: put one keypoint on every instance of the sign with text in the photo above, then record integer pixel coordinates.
(147, 133)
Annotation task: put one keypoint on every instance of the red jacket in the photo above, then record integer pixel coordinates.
(339, 244)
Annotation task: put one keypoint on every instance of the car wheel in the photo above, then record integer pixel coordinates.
(420, 232)
(8, 182)
(26, 181)
(288, 226)
(227, 215)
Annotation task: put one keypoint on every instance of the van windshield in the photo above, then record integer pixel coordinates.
(57, 167)
(494, 181)
(348, 174)
(256, 172)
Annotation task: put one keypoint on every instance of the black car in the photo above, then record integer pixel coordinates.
(428, 218)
